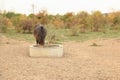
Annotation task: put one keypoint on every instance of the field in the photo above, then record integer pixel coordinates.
(88, 56)
(64, 35)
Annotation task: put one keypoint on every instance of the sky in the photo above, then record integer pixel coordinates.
(59, 6)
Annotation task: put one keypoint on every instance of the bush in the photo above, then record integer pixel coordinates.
(3, 28)
(26, 25)
(18, 29)
(75, 31)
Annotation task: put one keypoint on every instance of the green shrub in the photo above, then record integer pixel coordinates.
(3, 28)
(75, 31)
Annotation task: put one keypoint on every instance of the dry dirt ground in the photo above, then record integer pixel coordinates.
(80, 61)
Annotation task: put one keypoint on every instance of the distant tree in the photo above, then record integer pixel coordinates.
(114, 19)
(82, 18)
(3, 24)
(58, 23)
(11, 14)
(26, 25)
(97, 20)
(109, 18)
(16, 21)
(43, 17)
(31, 15)
(68, 19)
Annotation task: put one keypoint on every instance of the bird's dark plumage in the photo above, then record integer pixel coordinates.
(40, 34)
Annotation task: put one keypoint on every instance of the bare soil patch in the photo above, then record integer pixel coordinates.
(81, 61)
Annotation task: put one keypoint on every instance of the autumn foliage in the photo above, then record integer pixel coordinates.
(82, 21)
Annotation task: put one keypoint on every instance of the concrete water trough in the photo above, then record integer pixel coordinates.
(52, 50)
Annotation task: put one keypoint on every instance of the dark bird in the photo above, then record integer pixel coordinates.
(40, 33)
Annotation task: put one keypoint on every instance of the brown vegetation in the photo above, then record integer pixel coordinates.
(83, 21)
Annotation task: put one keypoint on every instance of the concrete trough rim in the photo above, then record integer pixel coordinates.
(51, 50)
(47, 46)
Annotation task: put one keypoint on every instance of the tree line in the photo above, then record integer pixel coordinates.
(82, 21)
